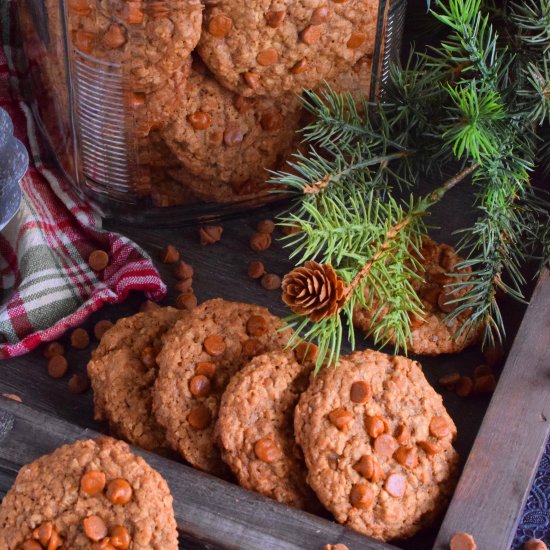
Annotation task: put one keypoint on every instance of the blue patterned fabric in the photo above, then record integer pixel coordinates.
(535, 520)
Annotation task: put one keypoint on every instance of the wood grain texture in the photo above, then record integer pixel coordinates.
(207, 508)
(499, 472)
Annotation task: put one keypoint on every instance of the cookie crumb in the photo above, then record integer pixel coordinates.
(11, 396)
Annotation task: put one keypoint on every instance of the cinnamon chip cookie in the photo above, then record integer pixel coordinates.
(377, 442)
(199, 356)
(123, 370)
(270, 47)
(218, 135)
(150, 40)
(93, 491)
(433, 335)
(256, 429)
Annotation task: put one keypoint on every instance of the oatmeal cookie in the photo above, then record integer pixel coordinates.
(256, 428)
(433, 335)
(270, 47)
(199, 356)
(122, 372)
(149, 40)
(218, 135)
(355, 81)
(377, 443)
(85, 492)
(209, 190)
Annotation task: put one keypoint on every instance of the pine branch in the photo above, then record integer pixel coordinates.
(480, 100)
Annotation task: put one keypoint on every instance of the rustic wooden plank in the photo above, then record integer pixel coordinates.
(499, 472)
(207, 508)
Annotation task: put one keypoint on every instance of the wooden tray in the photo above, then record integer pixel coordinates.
(495, 481)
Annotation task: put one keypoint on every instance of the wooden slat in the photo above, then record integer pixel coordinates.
(207, 508)
(499, 472)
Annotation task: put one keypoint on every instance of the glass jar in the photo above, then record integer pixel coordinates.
(169, 111)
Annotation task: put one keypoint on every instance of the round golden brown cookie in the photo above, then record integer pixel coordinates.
(377, 443)
(122, 372)
(220, 136)
(434, 334)
(271, 47)
(90, 489)
(150, 40)
(256, 428)
(199, 356)
(356, 81)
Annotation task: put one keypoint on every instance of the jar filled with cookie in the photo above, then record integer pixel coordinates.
(188, 105)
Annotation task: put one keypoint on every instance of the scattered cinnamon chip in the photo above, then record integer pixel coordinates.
(169, 255)
(186, 300)
(80, 339)
(184, 286)
(78, 383)
(270, 281)
(265, 226)
(53, 348)
(464, 387)
(535, 544)
(183, 271)
(98, 260)
(101, 327)
(210, 234)
(449, 381)
(57, 366)
(485, 384)
(463, 541)
(290, 229)
(260, 241)
(482, 370)
(256, 269)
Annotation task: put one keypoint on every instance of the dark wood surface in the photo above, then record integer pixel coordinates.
(499, 472)
(220, 270)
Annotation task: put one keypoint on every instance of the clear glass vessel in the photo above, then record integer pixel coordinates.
(169, 111)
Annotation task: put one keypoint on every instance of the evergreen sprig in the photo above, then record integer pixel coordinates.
(480, 101)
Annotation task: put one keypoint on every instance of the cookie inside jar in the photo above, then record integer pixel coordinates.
(189, 102)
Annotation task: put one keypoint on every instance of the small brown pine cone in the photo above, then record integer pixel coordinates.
(314, 290)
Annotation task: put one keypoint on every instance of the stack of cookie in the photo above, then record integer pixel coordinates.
(369, 440)
(213, 88)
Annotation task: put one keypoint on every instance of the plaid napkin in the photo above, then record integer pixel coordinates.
(46, 285)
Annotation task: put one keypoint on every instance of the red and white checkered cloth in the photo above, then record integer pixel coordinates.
(46, 285)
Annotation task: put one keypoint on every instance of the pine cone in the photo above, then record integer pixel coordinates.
(314, 290)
